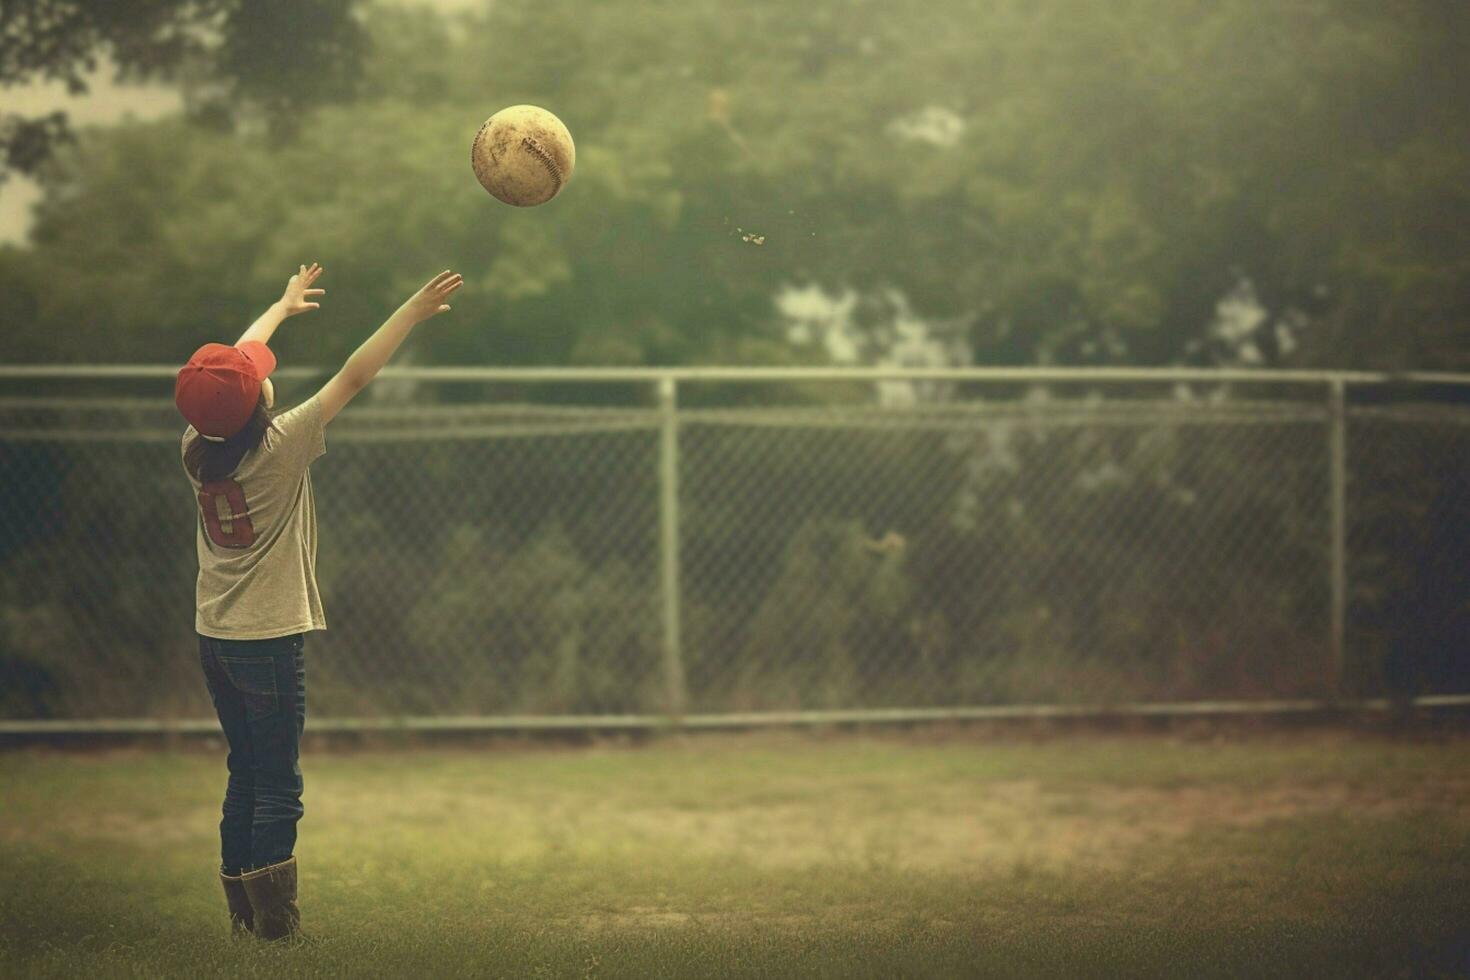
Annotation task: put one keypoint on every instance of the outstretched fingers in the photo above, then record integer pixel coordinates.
(443, 285)
(297, 294)
(438, 289)
(446, 290)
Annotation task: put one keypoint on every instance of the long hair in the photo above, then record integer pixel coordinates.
(207, 460)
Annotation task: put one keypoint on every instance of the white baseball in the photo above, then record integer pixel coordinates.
(523, 155)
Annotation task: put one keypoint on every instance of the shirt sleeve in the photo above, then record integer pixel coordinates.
(300, 433)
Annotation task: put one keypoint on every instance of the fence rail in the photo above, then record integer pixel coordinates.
(632, 547)
(1044, 375)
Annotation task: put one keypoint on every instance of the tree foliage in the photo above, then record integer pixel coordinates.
(1055, 182)
(270, 57)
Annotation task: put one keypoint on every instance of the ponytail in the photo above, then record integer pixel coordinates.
(207, 460)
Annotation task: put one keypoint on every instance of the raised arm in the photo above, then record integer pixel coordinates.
(368, 360)
(296, 299)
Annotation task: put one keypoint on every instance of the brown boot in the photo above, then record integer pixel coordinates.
(242, 916)
(272, 892)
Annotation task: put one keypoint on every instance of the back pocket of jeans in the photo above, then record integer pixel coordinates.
(255, 679)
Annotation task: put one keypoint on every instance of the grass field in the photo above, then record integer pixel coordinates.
(770, 855)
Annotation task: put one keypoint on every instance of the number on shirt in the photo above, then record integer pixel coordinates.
(241, 534)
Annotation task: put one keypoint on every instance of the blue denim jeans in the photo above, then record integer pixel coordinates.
(259, 692)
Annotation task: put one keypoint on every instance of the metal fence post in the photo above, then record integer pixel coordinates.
(668, 400)
(1337, 510)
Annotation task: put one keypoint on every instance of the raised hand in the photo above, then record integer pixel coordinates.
(369, 359)
(430, 300)
(297, 297)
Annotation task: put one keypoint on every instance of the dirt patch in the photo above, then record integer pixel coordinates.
(655, 918)
(1009, 827)
(636, 917)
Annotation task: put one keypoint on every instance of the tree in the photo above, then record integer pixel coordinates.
(272, 57)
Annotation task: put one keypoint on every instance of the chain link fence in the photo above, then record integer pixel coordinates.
(562, 545)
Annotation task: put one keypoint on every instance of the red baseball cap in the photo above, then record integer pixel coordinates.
(218, 389)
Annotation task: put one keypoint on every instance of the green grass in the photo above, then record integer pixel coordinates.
(773, 855)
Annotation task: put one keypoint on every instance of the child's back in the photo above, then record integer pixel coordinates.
(257, 535)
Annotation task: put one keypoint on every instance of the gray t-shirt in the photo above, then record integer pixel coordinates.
(257, 536)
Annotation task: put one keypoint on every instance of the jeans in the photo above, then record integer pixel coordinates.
(259, 693)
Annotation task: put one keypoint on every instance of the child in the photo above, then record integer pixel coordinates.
(257, 594)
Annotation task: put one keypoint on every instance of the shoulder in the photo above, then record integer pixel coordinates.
(299, 431)
(307, 414)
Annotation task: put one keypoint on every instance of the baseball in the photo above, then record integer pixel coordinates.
(523, 155)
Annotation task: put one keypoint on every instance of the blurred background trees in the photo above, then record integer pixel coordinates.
(1149, 182)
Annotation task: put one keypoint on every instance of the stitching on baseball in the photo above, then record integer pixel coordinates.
(535, 149)
(476, 145)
